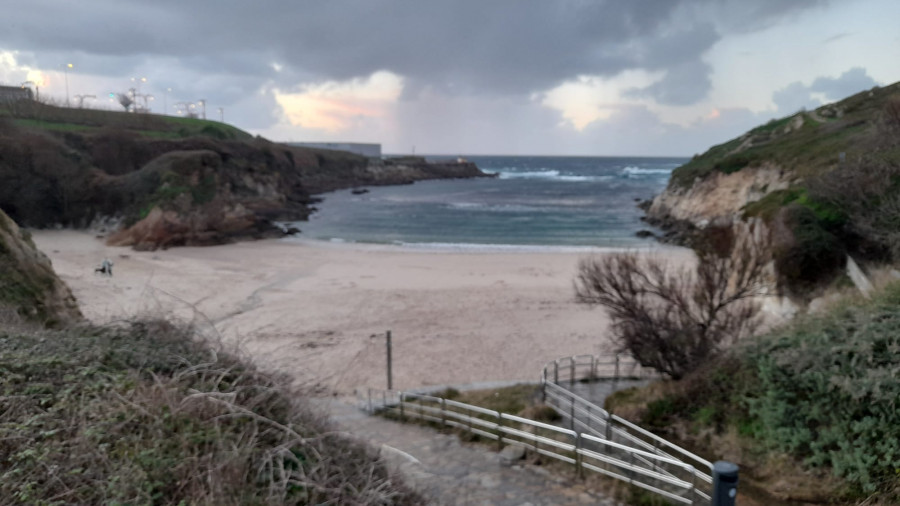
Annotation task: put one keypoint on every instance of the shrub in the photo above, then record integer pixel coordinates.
(808, 255)
(866, 188)
(144, 414)
(674, 320)
(828, 391)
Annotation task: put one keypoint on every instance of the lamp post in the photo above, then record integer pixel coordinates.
(166, 101)
(221, 115)
(37, 91)
(138, 81)
(66, 71)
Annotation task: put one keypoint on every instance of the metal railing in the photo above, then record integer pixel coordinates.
(618, 366)
(586, 417)
(595, 440)
(660, 474)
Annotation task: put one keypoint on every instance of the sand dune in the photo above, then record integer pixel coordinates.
(319, 311)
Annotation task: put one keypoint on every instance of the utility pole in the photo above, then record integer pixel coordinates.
(81, 98)
(389, 364)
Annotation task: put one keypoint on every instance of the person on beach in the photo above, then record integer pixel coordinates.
(105, 267)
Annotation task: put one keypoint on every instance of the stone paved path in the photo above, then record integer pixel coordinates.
(451, 474)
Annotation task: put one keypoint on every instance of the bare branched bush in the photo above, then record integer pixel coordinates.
(675, 319)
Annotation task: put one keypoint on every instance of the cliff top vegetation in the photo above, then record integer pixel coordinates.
(807, 142)
(48, 117)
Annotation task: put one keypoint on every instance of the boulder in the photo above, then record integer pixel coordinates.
(28, 284)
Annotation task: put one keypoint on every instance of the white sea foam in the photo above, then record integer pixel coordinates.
(498, 208)
(550, 174)
(537, 174)
(635, 171)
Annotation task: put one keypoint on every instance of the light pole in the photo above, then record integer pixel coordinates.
(221, 115)
(138, 81)
(37, 91)
(66, 71)
(166, 101)
(202, 103)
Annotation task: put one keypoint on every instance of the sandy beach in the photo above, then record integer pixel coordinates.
(318, 311)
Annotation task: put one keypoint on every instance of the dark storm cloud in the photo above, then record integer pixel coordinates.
(796, 95)
(848, 83)
(461, 47)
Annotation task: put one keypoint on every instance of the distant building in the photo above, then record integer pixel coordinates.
(15, 93)
(369, 150)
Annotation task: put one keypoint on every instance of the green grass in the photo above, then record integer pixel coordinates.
(59, 119)
(810, 149)
(54, 127)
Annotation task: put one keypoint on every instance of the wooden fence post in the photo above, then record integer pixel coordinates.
(499, 431)
(389, 363)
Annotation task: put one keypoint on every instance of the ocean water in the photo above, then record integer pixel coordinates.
(535, 202)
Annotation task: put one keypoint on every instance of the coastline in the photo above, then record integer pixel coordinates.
(317, 310)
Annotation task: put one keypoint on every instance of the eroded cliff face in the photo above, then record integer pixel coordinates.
(719, 197)
(719, 200)
(28, 284)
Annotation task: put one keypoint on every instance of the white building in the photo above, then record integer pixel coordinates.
(369, 150)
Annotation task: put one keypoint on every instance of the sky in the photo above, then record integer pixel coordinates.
(515, 77)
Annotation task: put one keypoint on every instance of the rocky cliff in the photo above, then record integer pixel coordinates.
(198, 190)
(28, 284)
(793, 178)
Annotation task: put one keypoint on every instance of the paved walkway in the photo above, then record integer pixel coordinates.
(449, 473)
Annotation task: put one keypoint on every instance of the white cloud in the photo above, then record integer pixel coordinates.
(592, 98)
(335, 106)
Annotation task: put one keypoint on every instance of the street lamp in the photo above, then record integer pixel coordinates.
(66, 70)
(221, 115)
(37, 90)
(166, 101)
(138, 81)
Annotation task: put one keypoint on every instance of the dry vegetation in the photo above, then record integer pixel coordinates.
(675, 320)
(145, 414)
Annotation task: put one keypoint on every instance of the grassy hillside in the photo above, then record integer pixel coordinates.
(809, 411)
(145, 414)
(807, 143)
(836, 191)
(47, 117)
